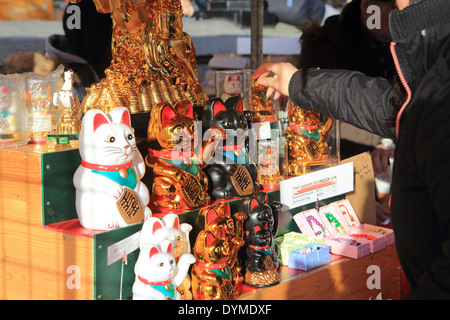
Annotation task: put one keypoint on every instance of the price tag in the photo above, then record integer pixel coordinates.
(117, 250)
(318, 185)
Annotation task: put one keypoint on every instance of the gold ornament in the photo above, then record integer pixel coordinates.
(153, 59)
(305, 139)
(70, 107)
(216, 275)
(261, 104)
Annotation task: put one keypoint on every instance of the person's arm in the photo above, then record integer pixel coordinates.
(350, 96)
(362, 101)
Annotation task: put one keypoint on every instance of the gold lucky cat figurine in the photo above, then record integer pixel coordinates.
(216, 275)
(179, 183)
(305, 140)
(261, 104)
(153, 60)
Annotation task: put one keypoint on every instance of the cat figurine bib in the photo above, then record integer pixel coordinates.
(157, 275)
(178, 180)
(109, 193)
(230, 171)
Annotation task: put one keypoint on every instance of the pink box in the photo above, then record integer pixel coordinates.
(342, 245)
(348, 213)
(377, 243)
(310, 223)
(387, 232)
(333, 220)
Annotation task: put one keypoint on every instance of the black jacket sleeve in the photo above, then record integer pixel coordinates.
(350, 96)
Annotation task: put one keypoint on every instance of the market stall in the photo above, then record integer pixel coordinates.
(245, 204)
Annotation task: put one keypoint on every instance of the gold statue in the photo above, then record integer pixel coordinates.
(153, 59)
(305, 139)
(269, 175)
(261, 104)
(69, 105)
(216, 275)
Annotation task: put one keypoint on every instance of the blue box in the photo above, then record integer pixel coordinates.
(309, 256)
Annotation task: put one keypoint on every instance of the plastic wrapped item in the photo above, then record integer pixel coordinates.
(43, 115)
(312, 141)
(13, 112)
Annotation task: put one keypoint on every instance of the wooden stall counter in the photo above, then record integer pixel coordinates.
(46, 254)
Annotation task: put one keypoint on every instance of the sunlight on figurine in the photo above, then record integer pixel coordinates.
(156, 230)
(216, 275)
(157, 273)
(69, 124)
(305, 139)
(109, 193)
(179, 182)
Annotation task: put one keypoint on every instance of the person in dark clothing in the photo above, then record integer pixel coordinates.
(354, 41)
(420, 208)
(87, 49)
(346, 41)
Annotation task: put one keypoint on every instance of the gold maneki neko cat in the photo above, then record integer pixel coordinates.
(305, 139)
(216, 274)
(176, 158)
(153, 59)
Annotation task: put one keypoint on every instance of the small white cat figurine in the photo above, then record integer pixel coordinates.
(157, 273)
(231, 87)
(109, 193)
(169, 228)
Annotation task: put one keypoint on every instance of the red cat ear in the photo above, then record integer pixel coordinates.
(238, 78)
(169, 248)
(176, 223)
(211, 215)
(209, 239)
(153, 251)
(253, 204)
(218, 107)
(126, 119)
(239, 106)
(99, 119)
(189, 111)
(156, 226)
(257, 229)
(167, 113)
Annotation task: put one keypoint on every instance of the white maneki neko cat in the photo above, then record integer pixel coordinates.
(109, 193)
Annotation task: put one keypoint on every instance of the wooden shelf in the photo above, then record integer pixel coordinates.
(44, 250)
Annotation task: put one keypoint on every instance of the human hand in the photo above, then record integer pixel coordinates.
(279, 82)
(383, 212)
(380, 158)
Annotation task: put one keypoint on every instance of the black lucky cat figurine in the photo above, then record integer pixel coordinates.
(230, 172)
(261, 254)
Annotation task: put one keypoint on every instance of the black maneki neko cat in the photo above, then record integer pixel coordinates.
(261, 253)
(230, 172)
